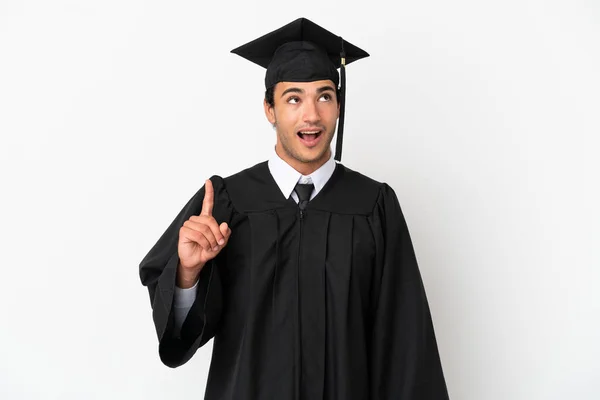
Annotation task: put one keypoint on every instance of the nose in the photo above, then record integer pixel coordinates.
(310, 112)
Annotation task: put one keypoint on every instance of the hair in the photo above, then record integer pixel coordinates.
(270, 95)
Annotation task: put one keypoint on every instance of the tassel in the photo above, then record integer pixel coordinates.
(340, 130)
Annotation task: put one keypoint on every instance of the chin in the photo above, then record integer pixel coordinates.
(313, 155)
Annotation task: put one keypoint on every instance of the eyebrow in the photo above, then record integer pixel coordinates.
(298, 90)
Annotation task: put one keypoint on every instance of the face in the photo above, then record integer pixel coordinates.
(304, 116)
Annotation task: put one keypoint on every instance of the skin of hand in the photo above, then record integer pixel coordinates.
(201, 239)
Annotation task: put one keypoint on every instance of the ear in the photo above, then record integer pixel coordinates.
(269, 112)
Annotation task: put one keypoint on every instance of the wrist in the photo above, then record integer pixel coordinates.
(187, 277)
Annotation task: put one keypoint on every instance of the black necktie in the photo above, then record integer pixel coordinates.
(304, 190)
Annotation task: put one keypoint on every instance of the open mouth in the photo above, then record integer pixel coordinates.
(310, 138)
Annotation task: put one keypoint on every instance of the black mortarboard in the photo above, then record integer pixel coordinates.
(302, 51)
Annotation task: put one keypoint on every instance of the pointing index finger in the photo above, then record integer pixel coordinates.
(209, 199)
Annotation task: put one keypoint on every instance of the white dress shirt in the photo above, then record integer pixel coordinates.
(286, 178)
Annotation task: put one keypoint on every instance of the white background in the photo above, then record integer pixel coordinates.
(483, 115)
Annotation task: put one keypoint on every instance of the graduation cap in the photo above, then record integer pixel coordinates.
(302, 51)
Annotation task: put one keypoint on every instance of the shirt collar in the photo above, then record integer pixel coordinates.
(287, 177)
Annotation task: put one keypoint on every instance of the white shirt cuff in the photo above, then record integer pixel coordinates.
(182, 302)
(184, 298)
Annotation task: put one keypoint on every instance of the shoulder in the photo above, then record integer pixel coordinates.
(358, 179)
(370, 184)
(249, 188)
(224, 188)
(240, 178)
(375, 194)
(254, 172)
(351, 192)
(371, 187)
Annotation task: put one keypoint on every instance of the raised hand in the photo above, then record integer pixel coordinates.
(201, 238)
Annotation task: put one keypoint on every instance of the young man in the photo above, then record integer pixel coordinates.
(301, 269)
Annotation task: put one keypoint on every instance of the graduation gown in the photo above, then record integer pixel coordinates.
(327, 303)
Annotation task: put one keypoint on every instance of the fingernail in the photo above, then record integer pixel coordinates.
(215, 248)
(222, 241)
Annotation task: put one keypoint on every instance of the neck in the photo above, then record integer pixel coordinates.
(305, 168)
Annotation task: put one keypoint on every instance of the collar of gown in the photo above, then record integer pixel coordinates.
(287, 177)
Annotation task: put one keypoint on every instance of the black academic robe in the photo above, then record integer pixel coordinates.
(327, 303)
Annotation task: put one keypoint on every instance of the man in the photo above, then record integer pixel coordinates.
(301, 269)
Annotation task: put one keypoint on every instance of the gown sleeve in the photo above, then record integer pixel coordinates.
(158, 272)
(404, 358)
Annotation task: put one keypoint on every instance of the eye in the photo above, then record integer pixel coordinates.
(325, 97)
(293, 100)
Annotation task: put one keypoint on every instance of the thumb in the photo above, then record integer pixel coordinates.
(224, 228)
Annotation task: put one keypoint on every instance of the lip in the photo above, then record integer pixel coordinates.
(310, 143)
